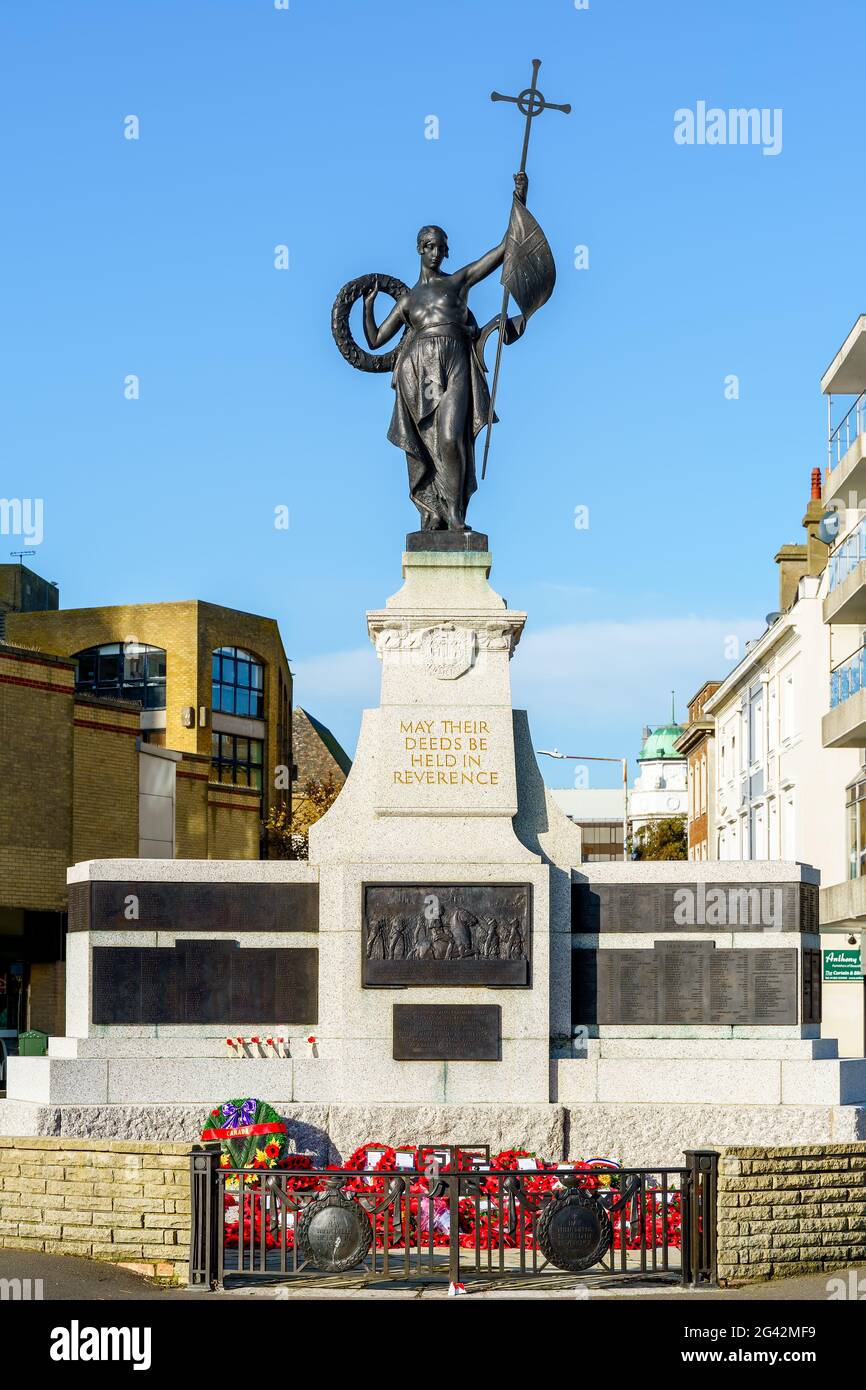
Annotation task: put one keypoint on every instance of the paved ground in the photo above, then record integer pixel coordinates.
(68, 1278)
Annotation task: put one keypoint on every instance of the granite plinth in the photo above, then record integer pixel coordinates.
(633, 1135)
(447, 542)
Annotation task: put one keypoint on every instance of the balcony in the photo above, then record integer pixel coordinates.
(845, 601)
(843, 906)
(846, 374)
(846, 458)
(844, 726)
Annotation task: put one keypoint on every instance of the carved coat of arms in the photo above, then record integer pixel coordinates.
(448, 651)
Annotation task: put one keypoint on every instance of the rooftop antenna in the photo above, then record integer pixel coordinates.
(21, 554)
(673, 709)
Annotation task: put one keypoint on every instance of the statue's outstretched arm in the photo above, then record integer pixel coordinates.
(470, 274)
(378, 337)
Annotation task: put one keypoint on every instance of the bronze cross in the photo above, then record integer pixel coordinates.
(530, 103)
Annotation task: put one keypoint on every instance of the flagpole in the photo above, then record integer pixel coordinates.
(503, 318)
(530, 103)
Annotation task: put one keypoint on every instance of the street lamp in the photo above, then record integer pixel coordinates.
(591, 758)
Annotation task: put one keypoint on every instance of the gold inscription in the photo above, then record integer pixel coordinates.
(445, 753)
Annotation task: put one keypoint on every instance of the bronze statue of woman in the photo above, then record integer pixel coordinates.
(442, 399)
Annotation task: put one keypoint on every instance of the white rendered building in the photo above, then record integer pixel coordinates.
(779, 793)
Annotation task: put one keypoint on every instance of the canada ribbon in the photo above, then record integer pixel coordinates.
(243, 1131)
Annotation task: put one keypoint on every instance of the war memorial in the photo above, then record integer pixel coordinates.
(444, 967)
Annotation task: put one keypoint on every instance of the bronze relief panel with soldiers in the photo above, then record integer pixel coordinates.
(447, 934)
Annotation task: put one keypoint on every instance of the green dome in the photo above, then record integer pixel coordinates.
(660, 743)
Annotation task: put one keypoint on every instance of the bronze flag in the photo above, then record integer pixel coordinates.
(528, 271)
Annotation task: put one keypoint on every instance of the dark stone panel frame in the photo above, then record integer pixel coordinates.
(692, 983)
(167, 905)
(205, 983)
(598, 908)
(412, 1025)
(472, 972)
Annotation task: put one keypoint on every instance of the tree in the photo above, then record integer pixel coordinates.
(287, 828)
(661, 839)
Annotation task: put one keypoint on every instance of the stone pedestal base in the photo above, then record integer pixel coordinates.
(635, 1135)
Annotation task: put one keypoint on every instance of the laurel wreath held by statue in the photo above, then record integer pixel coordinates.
(357, 356)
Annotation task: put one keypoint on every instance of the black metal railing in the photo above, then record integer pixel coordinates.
(455, 1218)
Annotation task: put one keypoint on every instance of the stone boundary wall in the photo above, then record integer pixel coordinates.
(124, 1202)
(785, 1211)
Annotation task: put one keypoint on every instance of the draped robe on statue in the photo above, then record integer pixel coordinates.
(439, 378)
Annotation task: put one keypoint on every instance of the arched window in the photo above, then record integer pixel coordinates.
(124, 671)
(238, 683)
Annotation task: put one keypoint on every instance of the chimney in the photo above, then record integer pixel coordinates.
(816, 550)
(810, 558)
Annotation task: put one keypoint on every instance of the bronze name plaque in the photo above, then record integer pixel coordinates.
(203, 981)
(447, 1032)
(691, 982)
(446, 934)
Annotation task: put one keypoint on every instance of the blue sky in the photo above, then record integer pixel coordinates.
(306, 127)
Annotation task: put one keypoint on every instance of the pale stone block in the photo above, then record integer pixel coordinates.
(672, 1081)
(22, 1117)
(193, 871)
(188, 1041)
(574, 1080)
(372, 1076)
(46, 1080)
(722, 1049)
(318, 1080)
(794, 1030)
(202, 1080)
(824, 1083)
(78, 984)
(523, 1075)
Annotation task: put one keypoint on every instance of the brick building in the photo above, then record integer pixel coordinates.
(150, 730)
(697, 742)
(69, 779)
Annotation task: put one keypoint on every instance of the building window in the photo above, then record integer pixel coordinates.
(237, 760)
(756, 730)
(789, 827)
(856, 807)
(601, 844)
(238, 682)
(123, 671)
(789, 725)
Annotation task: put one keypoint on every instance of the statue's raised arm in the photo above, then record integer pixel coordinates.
(476, 271)
(388, 328)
